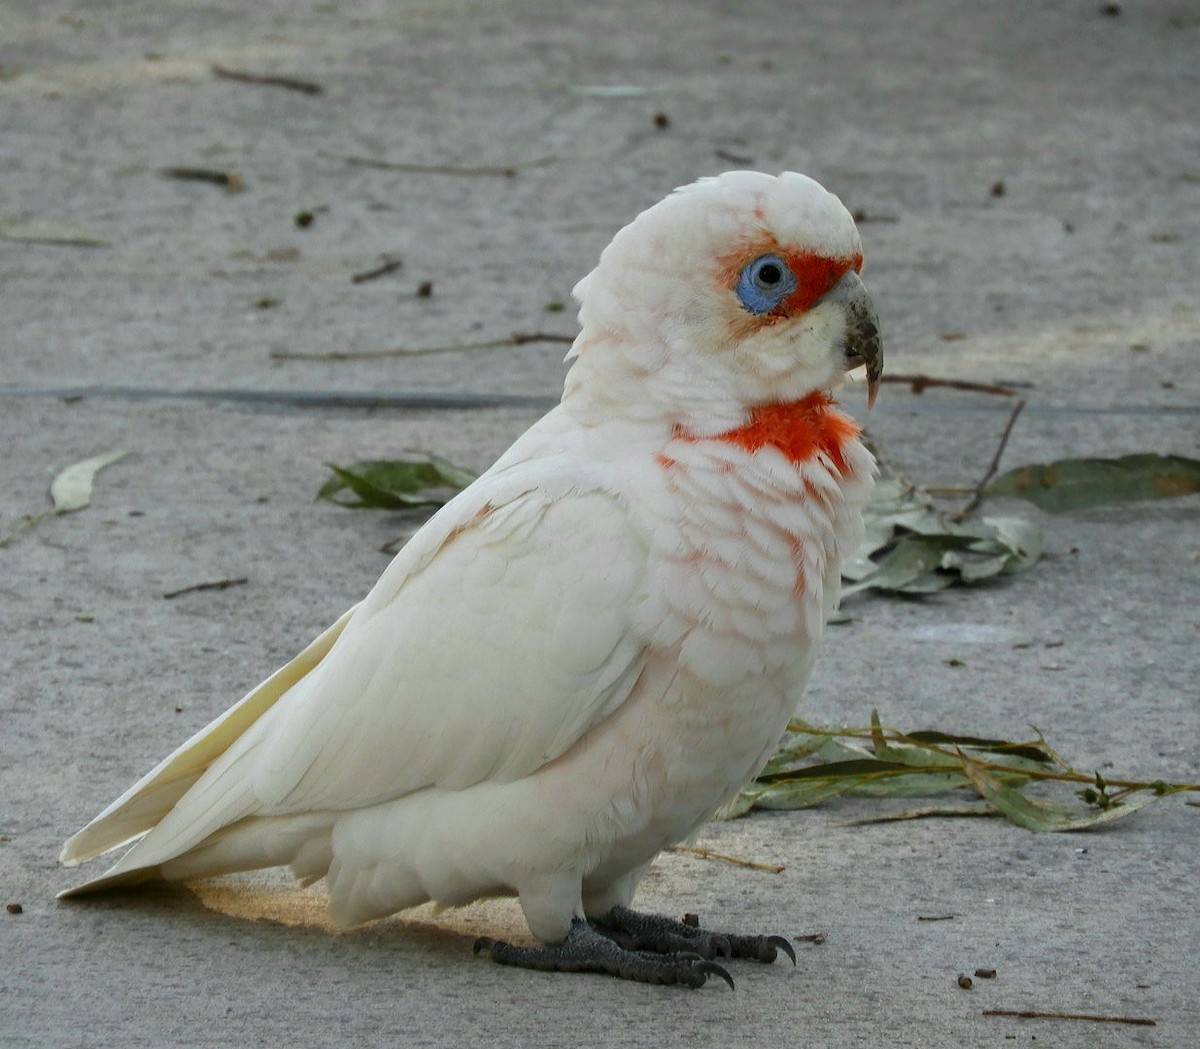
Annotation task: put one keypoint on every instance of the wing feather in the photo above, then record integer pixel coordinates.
(490, 661)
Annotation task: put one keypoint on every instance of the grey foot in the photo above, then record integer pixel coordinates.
(587, 951)
(652, 932)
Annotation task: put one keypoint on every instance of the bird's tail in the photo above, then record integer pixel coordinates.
(178, 820)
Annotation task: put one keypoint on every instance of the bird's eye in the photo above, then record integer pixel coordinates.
(764, 283)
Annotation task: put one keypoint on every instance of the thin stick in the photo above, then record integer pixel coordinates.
(709, 854)
(920, 383)
(517, 338)
(1037, 1014)
(501, 171)
(306, 87)
(379, 271)
(220, 584)
(993, 466)
(24, 525)
(230, 180)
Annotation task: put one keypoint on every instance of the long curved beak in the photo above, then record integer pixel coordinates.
(864, 345)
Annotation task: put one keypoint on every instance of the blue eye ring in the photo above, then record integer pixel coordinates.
(764, 283)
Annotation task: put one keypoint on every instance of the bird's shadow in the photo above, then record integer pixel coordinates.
(272, 909)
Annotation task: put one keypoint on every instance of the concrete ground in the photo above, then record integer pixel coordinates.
(1029, 176)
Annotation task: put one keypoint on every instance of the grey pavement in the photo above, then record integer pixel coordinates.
(1029, 175)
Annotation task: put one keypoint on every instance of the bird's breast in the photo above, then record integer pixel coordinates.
(747, 530)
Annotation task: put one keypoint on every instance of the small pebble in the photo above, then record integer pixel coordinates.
(965, 982)
(14, 908)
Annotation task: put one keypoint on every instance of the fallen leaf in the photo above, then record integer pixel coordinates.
(1076, 484)
(71, 490)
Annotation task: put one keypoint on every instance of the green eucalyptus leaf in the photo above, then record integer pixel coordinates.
(1022, 538)
(1076, 484)
(1044, 815)
(802, 794)
(925, 812)
(852, 767)
(1037, 756)
(393, 484)
(920, 783)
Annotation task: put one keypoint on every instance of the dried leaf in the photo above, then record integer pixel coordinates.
(1076, 484)
(71, 490)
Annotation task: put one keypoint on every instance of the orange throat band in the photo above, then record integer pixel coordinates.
(800, 429)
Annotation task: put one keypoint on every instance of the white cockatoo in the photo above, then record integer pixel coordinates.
(588, 651)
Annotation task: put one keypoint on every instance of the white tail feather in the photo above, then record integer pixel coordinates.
(153, 799)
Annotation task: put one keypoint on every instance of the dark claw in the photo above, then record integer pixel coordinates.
(708, 968)
(783, 945)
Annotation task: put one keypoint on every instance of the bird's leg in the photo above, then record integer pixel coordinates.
(652, 932)
(587, 951)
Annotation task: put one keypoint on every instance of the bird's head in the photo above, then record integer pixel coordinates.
(735, 291)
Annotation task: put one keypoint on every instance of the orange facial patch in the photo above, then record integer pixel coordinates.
(816, 275)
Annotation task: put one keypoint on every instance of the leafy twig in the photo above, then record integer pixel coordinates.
(993, 466)
(917, 764)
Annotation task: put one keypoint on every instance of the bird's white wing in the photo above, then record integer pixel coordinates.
(484, 664)
(494, 640)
